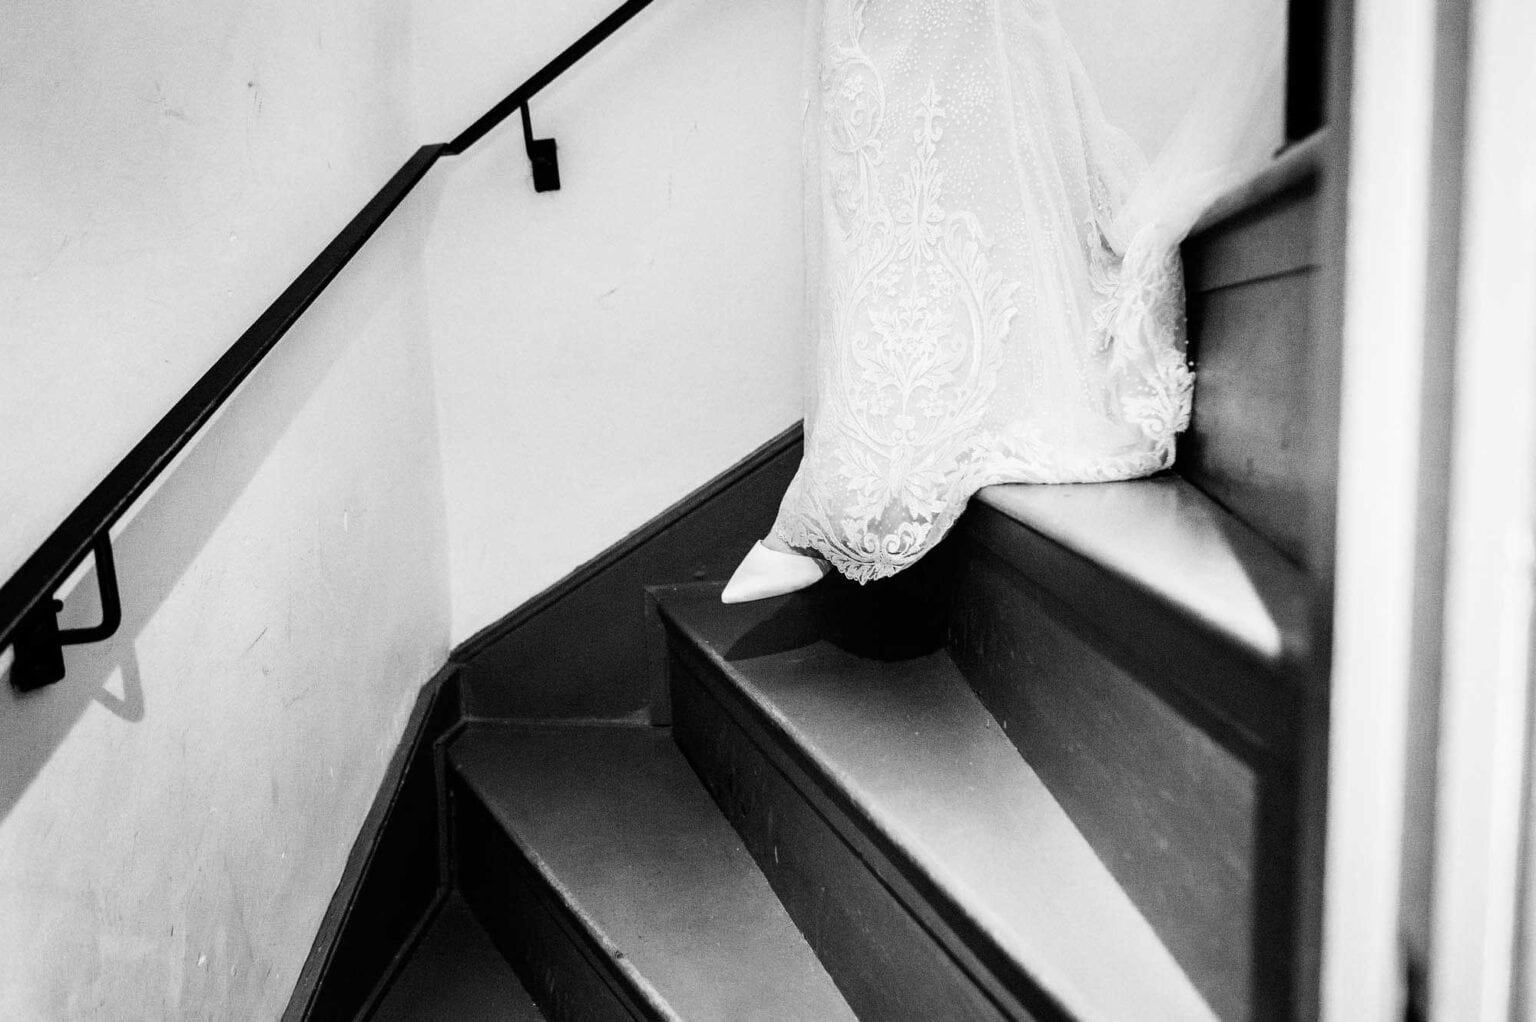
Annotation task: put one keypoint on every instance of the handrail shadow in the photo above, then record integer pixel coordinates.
(51, 564)
(165, 535)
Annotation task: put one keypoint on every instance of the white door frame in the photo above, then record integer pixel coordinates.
(1482, 756)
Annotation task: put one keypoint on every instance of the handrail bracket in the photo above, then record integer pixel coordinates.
(541, 157)
(39, 641)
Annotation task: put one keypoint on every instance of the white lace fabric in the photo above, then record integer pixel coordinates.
(971, 323)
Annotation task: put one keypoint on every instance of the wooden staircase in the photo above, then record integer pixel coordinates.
(929, 866)
(1067, 767)
(596, 861)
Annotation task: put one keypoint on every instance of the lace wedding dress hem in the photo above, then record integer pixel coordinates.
(865, 555)
(993, 270)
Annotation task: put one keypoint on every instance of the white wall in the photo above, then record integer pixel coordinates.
(175, 814)
(602, 350)
(167, 170)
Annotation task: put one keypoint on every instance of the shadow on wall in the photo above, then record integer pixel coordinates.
(161, 539)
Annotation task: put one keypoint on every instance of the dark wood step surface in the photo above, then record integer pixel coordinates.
(644, 880)
(1265, 427)
(456, 973)
(925, 861)
(1181, 548)
(1148, 655)
(1218, 618)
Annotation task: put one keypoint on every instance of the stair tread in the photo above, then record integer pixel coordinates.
(456, 973)
(906, 745)
(624, 833)
(1179, 546)
(1170, 542)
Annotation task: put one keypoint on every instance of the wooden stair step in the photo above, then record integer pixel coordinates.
(1148, 655)
(1179, 546)
(455, 972)
(926, 862)
(612, 883)
(1263, 435)
(1218, 614)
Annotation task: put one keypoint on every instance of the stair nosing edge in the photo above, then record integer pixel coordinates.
(1295, 644)
(932, 902)
(612, 957)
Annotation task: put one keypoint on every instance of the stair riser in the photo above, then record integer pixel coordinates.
(1185, 663)
(1198, 833)
(1252, 437)
(889, 951)
(1256, 443)
(570, 978)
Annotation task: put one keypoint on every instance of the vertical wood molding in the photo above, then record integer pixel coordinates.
(1388, 233)
(1491, 546)
(1442, 299)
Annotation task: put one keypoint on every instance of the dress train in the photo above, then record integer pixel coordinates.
(993, 273)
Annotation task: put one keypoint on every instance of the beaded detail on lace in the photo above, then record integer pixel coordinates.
(971, 325)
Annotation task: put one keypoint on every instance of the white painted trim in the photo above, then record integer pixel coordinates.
(1387, 237)
(1489, 592)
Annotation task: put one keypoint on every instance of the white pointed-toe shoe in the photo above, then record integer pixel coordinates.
(765, 572)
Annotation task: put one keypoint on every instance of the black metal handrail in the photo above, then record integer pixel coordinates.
(28, 612)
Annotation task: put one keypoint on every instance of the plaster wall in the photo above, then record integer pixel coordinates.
(604, 349)
(167, 169)
(175, 814)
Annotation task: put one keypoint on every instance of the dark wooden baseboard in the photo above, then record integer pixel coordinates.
(576, 649)
(395, 877)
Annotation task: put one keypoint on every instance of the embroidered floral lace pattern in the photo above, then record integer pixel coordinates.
(971, 324)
